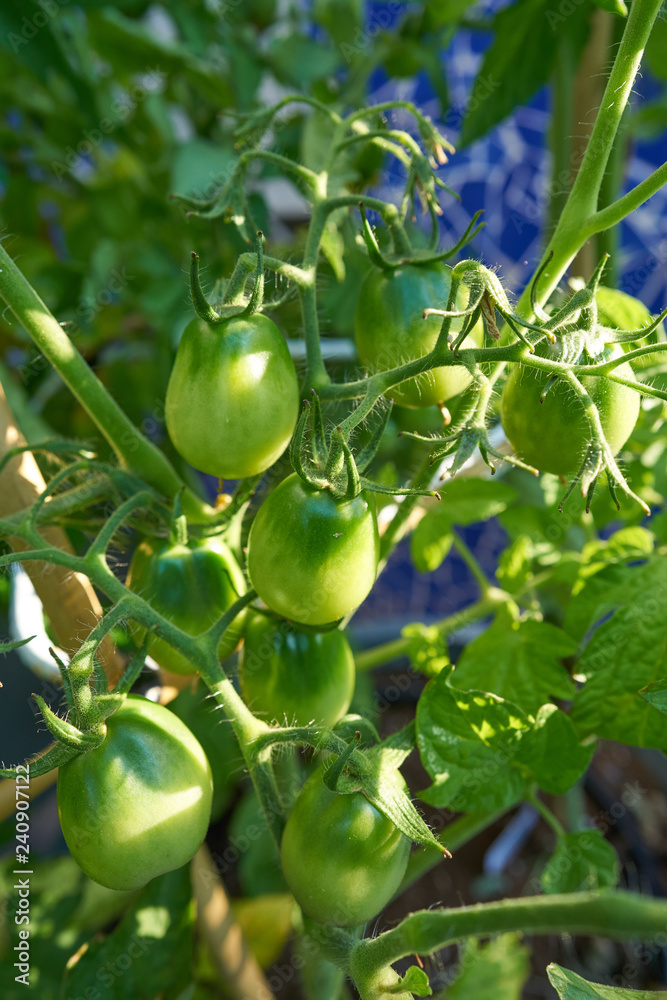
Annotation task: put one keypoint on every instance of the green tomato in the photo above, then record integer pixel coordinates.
(312, 558)
(191, 586)
(232, 399)
(553, 435)
(301, 676)
(390, 330)
(342, 858)
(138, 805)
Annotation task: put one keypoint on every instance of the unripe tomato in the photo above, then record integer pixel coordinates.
(342, 858)
(232, 399)
(138, 805)
(312, 558)
(390, 330)
(191, 586)
(553, 435)
(288, 673)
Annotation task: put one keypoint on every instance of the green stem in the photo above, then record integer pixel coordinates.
(396, 528)
(546, 814)
(622, 207)
(619, 915)
(579, 218)
(133, 450)
(471, 562)
(387, 652)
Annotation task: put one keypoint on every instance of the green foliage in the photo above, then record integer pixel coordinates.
(496, 970)
(570, 986)
(111, 110)
(582, 861)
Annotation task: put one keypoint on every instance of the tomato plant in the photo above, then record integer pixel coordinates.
(342, 858)
(491, 681)
(241, 367)
(191, 585)
(311, 557)
(289, 673)
(390, 329)
(139, 804)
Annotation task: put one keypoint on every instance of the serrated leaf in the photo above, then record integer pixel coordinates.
(494, 971)
(626, 653)
(570, 986)
(519, 661)
(468, 742)
(521, 59)
(427, 648)
(9, 646)
(602, 574)
(553, 752)
(582, 862)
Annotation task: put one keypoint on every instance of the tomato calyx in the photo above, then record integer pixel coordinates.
(227, 311)
(332, 465)
(374, 772)
(89, 707)
(406, 256)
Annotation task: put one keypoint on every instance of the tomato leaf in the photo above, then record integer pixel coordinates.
(570, 986)
(427, 648)
(528, 38)
(519, 661)
(514, 566)
(493, 971)
(583, 862)
(626, 652)
(553, 753)
(430, 543)
(467, 742)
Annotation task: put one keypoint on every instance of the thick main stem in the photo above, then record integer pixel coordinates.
(619, 915)
(572, 229)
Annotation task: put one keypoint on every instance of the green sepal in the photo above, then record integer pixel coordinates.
(202, 307)
(257, 295)
(65, 732)
(375, 773)
(55, 756)
(8, 647)
(369, 451)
